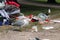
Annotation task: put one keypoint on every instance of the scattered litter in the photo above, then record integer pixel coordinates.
(37, 38)
(34, 29)
(49, 10)
(45, 39)
(34, 38)
(26, 22)
(21, 21)
(1, 23)
(57, 21)
(35, 19)
(4, 21)
(42, 16)
(2, 4)
(47, 27)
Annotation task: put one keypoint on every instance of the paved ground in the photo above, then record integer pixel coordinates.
(29, 35)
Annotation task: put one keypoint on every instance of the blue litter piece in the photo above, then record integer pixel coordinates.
(1, 23)
(7, 23)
